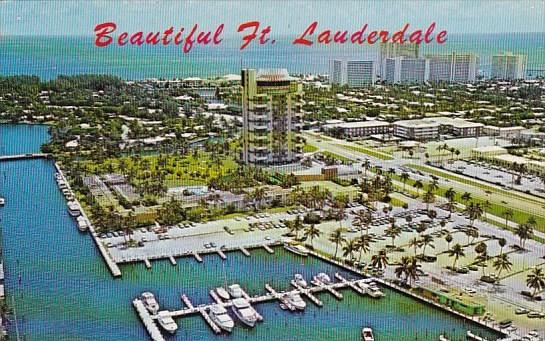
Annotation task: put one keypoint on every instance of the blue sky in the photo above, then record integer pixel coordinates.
(285, 17)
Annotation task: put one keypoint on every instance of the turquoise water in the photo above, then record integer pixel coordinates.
(63, 291)
(49, 57)
(21, 138)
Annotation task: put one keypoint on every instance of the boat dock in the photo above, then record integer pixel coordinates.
(271, 295)
(147, 320)
(268, 248)
(23, 156)
(222, 255)
(245, 251)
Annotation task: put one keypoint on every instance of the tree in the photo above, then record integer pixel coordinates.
(502, 243)
(471, 232)
(466, 196)
(363, 244)
(450, 194)
(362, 219)
(427, 240)
(524, 232)
(474, 211)
(508, 214)
(418, 185)
(349, 248)
(428, 198)
(448, 239)
(407, 268)
(296, 226)
(415, 243)
(380, 260)
(312, 232)
(502, 263)
(337, 238)
(482, 254)
(457, 251)
(393, 232)
(536, 280)
(404, 178)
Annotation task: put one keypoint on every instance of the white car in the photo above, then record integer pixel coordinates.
(470, 290)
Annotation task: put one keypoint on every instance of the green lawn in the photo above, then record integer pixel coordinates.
(308, 148)
(336, 156)
(370, 152)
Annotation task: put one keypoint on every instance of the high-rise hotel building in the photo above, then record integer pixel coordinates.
(354, 73)
(453, 67)
(272, 117)
(394, 50)
(508, 66)
(406, 70)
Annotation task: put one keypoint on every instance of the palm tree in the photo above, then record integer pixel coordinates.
(380, 260)
(448, 239)
(474, 212)
(349, 248)
(296, 226)
(418, 185)
(312, 232)
(466, 196)
(427, 240)
(502, 263)
(415, 243)
(472, 233)
(363, 244)
(524, 232)
(482, 255)
(393, 232)
(362, 219)
(366, 165)
(502, 243)
(428, 198)
(457, 251)
(536, 280)
(508, 214)
(404, 178)
(450, 194)
(407, 268)
(337, 238)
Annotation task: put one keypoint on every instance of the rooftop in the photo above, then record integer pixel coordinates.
(358, 124)
(417, 124)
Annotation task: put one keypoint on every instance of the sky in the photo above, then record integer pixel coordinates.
(285, 17)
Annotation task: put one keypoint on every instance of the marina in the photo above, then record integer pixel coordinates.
(271, 295)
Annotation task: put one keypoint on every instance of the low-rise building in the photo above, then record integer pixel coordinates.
(416, 129)
(504, 132)
(358, 129)
(457, 126)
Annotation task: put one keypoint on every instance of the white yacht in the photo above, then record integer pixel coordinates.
(74, 209)
(295, 300)
(374, 290)
(82, 224)
(323, 278)
(219, 315)
(222, 293)
(296, 248)
(150, 303)
(245, 313)
(2, 201)
(234, 290)
(167, 322)
(300, 280)
(367, 334)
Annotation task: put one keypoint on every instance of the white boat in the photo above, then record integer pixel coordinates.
(167, 322)
(367, 334)
(245, 313)
(296, 248)
(149, 302)
(323, 278)
(300, 281)
(82, 224)
(296, 301)
(74, 209)
(234, 290)
(443, 338)
(219, 315)
(222, 293)
(62, 184)
(2, 201)
(374, 291)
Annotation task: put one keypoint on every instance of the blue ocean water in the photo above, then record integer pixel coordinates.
(60, 289)
(49, 57)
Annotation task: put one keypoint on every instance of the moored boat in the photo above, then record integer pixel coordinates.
(2, 201)
(244, 312)
(322, 278)
(222, 293)
(149, 302)
(300, 280)
(82, 224)
(234, 290)
(296, 248)
(296, 301)
(167, 322)
(367, 334)
(74, 209)
(219, 315)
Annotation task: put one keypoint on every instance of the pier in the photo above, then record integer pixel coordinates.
(197, 257)
(23, 157)
(245, 251)
(172, 260)
(268, 248)
(222, 255)
(147, 320)
(270, 295)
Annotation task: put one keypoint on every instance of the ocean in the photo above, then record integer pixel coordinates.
(48, 57)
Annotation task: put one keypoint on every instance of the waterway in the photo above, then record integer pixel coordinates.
(62, 290)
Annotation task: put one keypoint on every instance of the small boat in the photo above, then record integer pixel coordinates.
(222, 293)
(245, 313)
(234, 290)
(82, 224)
(474, 337)
(367, 334)
(443, 338)
(296, 248)
(149, 302)
(296, 301)
(74, 209)
(323, 278)
(374, 291)
(2, 201)
(167, 322)
(300, 281)
(219, 315)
